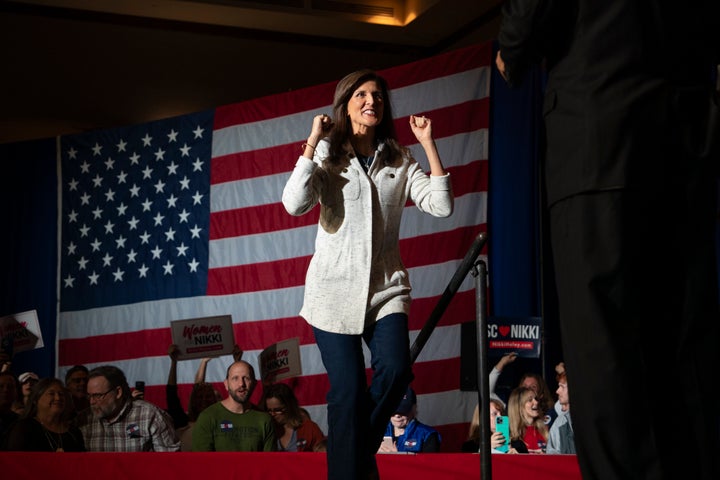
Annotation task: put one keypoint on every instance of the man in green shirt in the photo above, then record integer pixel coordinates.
(232, 425)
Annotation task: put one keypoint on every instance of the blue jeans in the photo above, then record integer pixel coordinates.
(358, 414)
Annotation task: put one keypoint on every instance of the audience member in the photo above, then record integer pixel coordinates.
(76, 381)
(526, 420)
(295, 432)
(8, 394)
(116, 422)
(497, 439)
(233, 424)
(544, 396)
(562, 436)
(45, 426)
(26, 380)
(407, 433)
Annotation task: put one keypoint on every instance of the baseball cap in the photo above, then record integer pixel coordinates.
(24, 377)
(407, 402)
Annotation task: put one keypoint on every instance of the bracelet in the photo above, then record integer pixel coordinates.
(304, 145)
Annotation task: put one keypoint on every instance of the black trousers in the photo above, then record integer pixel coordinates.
(638, 304)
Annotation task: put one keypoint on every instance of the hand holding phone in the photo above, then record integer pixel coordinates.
(502, 425)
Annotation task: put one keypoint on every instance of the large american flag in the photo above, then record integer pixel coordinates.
(181, 218)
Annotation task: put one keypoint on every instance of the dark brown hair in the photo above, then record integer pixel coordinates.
(342, 129)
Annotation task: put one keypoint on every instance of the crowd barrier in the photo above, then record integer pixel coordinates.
(275, 466)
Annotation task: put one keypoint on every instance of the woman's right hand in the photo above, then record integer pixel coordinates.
(497, 440)
(320, 127)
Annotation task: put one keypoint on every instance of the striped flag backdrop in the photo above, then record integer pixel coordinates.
(181, 218)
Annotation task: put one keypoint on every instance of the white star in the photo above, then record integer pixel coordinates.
(159, 186)
(73, 185)
(144, 238)
(109, 195)
(185, 150)
(193, 265)
(85, 199)
(172, 136)
(159, 219)
(146, 205)
(197, 198)
(170, 235)
(93, 278)
(71, 248)
(134, 191)
(120, 242)
(121, 146)
(85, 167)
(172, 168)
(172, 200)
(197, 166)
(72, 153)
(97, 181)
(184, 216)
(133, 223)
(143, 271)
(121, 177)
(147, 139)
(109, 227)
(96, 149)
(69, 281)
(84, 230)
(182, 249)
(159, 155)
(72, 216)
(134, 159)
(109, 164)
(97, 213)
(131, 255)
(147, 172)
(82, 263)
(198, 132)
(185, 183)
(107, 260)
(96, 245)
(118, 274)
(168, 267)
(156, 252)
(195, 232)
(121, 209)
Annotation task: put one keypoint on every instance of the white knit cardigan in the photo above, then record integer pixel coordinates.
(356, 275)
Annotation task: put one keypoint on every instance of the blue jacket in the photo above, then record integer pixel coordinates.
(415, 436)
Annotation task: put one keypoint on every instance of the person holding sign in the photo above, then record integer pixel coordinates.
(356, 286)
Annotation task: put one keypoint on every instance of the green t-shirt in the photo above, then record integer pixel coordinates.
(219, 430)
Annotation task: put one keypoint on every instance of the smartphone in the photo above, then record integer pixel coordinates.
(388, 442)
(502, 425)
(140, 386)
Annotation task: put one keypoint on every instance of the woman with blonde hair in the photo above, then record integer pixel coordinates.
(527, 420)
(497, 439)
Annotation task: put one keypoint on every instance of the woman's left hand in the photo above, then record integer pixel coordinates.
(421, 126)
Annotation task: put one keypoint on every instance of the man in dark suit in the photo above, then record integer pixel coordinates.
(631, 173)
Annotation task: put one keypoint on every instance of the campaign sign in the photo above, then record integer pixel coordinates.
(203, 336)
(20, 332)
(520, 335)
(281, 360)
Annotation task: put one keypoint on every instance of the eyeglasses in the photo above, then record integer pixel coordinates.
(98, 396)
(273, 411)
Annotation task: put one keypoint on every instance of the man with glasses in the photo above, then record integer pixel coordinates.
(115, 422)
(233, 425)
